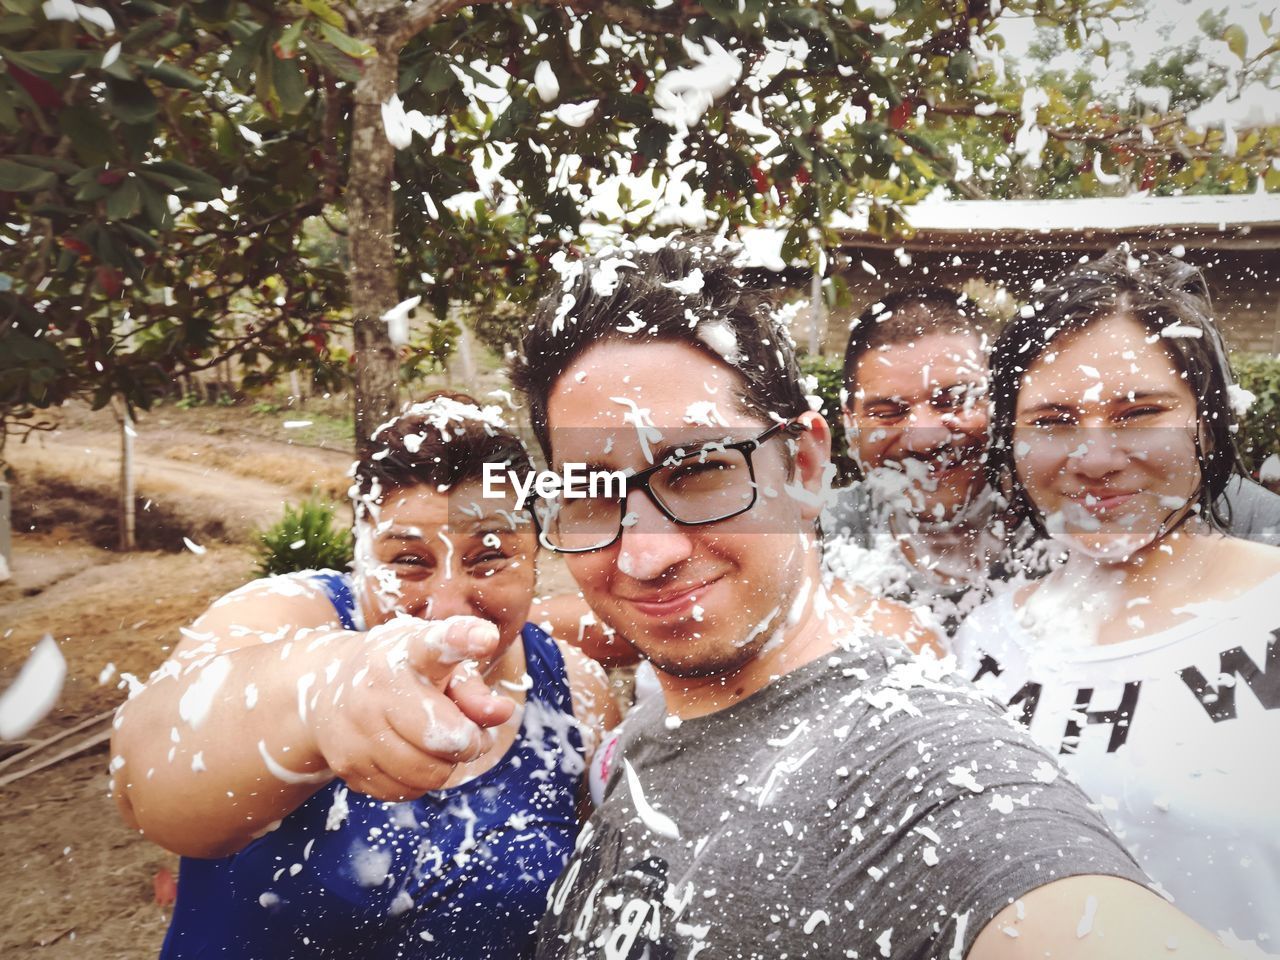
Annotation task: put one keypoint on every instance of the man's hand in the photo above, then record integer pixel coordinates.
(401, 709)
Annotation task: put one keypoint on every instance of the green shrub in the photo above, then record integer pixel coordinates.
(1259, 435)
(829, 373)
(304, 539)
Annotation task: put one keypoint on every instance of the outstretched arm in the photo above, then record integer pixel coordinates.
(265, 700)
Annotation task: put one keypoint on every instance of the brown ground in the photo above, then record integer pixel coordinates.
(78, 882)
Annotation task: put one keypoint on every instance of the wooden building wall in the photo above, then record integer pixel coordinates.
(1244, 283)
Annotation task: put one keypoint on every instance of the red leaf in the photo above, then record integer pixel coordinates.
(1148, 174)
(42, 91)
(110, 281)
(900, 115)
(75, 245)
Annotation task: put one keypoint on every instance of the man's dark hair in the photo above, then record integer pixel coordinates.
(1158, 291)
(908, 315)
(443, 440)
(689, 291)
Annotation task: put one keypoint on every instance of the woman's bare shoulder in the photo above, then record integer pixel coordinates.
(593, 701)
(263, 610)
(888, 618)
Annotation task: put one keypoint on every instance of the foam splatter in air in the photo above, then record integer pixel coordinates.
(34, 691)
(684, 94)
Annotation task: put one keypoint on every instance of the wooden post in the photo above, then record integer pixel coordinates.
(817, 309)
(128, 539)
(466, 354)
(6, 544)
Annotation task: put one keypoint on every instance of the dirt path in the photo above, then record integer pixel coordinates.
(78, 883)
(244, 482)
(75, 877)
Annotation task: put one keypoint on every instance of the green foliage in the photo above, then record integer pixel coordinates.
(1259, 435)
(172, 192)
(1129, 139)
(829, 374)
(304, 539)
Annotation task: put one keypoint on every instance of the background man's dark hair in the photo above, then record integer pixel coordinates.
(443, 440)
(908, 315)
(689, 291)
(1158, 291)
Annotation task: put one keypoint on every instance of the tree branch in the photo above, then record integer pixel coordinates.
(635, 19)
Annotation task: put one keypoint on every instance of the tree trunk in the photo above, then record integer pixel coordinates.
(371, 212)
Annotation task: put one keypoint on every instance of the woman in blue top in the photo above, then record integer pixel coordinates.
(382, 764)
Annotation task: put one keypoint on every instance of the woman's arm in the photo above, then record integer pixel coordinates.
(567, 617)
(593, 703)
(886, 617)
(265, 700)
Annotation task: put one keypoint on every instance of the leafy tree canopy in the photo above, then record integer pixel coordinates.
(179, 178)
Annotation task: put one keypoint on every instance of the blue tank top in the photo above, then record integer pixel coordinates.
(459, 873)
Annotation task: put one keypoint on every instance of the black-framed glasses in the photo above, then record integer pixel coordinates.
(712, 483)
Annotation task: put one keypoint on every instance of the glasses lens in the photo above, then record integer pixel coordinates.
(711, 485)
(585, 523)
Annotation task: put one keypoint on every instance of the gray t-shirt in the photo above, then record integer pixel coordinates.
(1255, 511)
(864, 805)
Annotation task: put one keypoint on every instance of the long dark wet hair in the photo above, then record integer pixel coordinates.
(1158, 291)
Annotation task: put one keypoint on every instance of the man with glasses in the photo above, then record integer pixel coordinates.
(804, 787)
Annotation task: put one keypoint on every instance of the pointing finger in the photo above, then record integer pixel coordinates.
(475, 699)
(435, 648)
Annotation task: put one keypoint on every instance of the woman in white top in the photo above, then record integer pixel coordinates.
(1149, 661)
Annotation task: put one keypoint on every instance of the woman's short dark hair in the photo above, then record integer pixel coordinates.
(443, 440)
(689, 291)
(1158, 291)
(908, 315)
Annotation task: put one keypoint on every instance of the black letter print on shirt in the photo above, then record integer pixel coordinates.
(1119, 718)
(1028, 694)
(1264, 682)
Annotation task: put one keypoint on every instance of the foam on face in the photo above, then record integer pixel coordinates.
(704, 413)
(639, 418)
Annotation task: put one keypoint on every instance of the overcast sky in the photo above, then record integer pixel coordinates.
(1162, 24)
